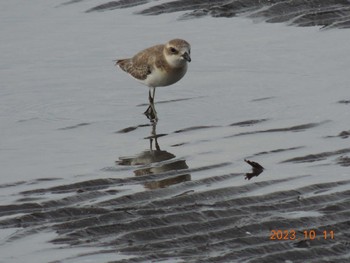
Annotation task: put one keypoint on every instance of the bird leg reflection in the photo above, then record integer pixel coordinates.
(154, 137)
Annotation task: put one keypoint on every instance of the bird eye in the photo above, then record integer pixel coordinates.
(173, 50)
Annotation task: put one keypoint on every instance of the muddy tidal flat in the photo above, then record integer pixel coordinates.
(250, 158)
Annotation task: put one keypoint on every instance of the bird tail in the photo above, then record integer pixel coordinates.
(118, 62)
(123, 64)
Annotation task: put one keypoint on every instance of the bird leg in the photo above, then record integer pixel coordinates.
(148, 111)
(151, 111)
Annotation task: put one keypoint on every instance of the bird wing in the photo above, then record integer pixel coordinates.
(142, 64)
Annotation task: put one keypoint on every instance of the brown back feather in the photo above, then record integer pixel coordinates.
(141, 65)
(139, 72)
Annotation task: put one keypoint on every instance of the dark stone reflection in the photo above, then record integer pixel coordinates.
(257, 169)
(157, 162)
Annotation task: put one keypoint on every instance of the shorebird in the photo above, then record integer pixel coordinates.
(158, 66)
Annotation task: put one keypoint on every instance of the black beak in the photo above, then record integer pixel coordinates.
(186, 56)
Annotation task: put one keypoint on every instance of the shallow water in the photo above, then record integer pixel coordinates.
(87, 178)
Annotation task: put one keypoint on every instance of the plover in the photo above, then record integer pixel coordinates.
(158, 66)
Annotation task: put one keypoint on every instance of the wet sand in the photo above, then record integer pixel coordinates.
(328, 14)
(182, 217)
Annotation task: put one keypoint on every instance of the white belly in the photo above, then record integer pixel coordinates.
(160, 78)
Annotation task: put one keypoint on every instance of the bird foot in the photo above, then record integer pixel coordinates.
(151, 113)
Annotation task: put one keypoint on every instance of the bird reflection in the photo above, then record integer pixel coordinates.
(156, 161)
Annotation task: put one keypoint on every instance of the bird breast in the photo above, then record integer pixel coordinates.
(165, 76)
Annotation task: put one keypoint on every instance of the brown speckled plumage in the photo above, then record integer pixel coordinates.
(141, 65)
